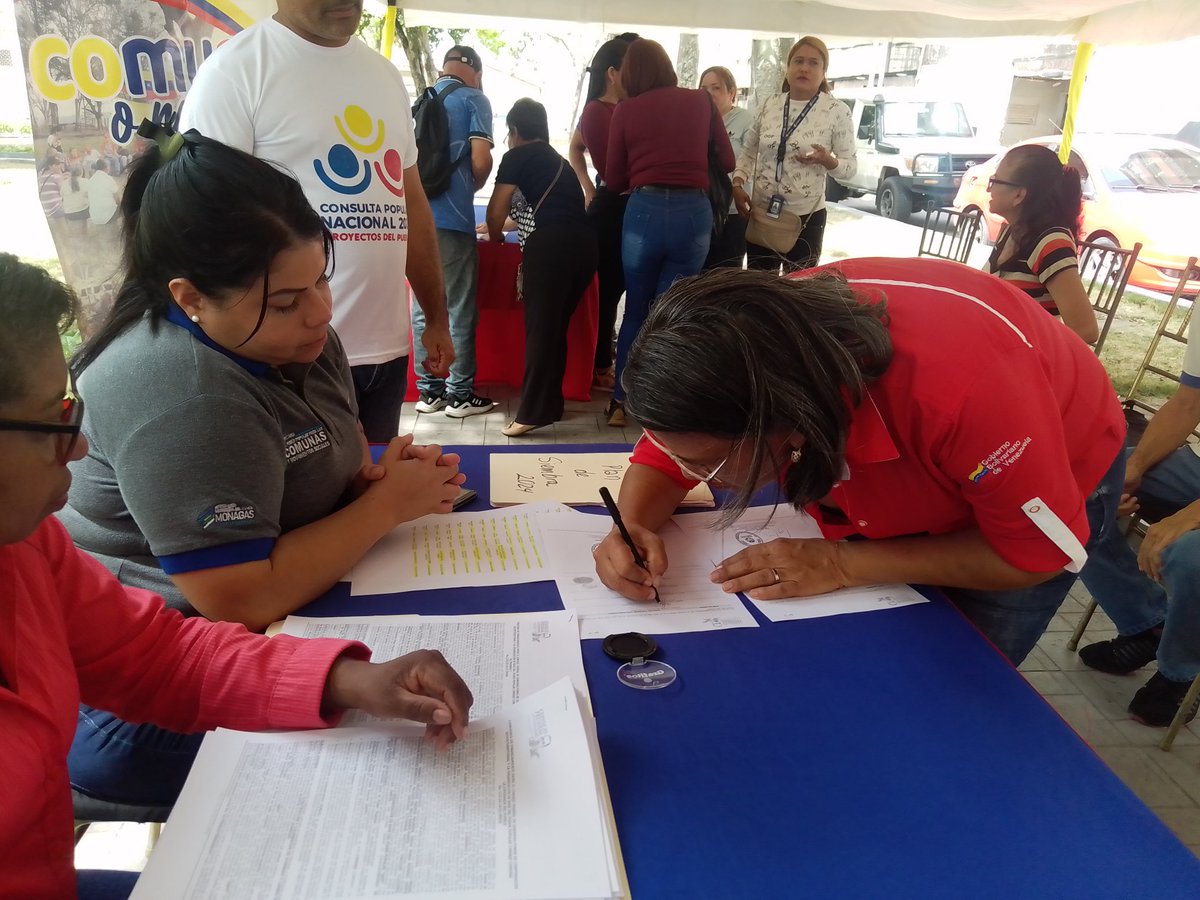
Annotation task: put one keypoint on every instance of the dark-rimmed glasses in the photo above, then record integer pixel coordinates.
(684, 468)
(994, 181)
(66, 429)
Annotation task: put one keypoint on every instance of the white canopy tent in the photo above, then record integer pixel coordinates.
(1093, 21)
(1086, 21)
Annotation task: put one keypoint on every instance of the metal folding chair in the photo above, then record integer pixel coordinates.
(89, 810)
(1104, 270)
(1170, 329)
(948, 233)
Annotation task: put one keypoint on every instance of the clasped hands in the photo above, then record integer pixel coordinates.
(413, 479)
(785, 567)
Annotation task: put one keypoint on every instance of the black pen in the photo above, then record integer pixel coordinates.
(616, 517)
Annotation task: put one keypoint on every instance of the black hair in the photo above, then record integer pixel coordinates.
(34, 309)
(211, 214)
(746, 355)
(1053, 192)
(610, 55)
(528, 119)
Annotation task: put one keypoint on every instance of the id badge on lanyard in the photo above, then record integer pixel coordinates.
(790, 129)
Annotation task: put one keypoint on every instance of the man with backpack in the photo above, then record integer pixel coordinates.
(301, 90)
(454, 170)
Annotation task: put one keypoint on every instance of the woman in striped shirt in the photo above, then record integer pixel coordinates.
(1041, 200)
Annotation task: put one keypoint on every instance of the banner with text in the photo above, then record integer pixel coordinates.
(94, 70)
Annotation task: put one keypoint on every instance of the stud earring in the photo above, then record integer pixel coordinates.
(797, 455)
(196, 319)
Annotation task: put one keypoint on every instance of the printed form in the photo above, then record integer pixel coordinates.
(510, 813)
(502, 658)
(690, 601)
(761, 524)
(455, 550)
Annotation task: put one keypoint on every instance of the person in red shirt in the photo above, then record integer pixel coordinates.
(658, 150)
(605, 208)
(70, 630)
(928, 407)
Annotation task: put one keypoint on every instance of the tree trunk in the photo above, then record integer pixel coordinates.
(415, 43)
(687, 63)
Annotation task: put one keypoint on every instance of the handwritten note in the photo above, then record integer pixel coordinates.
(571, 478)
(458, 550)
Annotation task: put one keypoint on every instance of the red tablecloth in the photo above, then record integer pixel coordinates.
(500, 339)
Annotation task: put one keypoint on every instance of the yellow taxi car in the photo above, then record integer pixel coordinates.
(1136, 188)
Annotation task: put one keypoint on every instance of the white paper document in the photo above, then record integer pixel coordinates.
(571, 478)
(511, 813)
(761, 524)
(837, 603)
(501, 546)
(502, 658)
(690, 601)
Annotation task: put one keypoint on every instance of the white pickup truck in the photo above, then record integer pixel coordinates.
(912, 152)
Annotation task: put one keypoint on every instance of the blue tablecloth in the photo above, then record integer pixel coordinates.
(891, 754)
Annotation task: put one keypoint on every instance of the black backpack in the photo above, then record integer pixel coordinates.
(432, 128)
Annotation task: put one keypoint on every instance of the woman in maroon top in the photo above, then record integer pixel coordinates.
(605, 208)
(658, 151)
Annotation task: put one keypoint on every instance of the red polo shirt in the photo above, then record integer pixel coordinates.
(990, 414)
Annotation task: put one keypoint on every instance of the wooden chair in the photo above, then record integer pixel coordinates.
(1104, 270)
(948, 233)
(1171, 331)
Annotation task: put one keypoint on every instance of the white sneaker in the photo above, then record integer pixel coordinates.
(430, 403)
(471, 405)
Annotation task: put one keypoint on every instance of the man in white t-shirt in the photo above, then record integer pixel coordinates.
(301, 90)
(1153, 597)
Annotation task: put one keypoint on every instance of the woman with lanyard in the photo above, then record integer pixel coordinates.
(605, 208)
(798, 138)
(559, 260)
(658, 151)
(226, 468)
(1041, 199)
(924, 406)
(728, 248)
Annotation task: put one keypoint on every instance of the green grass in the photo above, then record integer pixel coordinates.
(1132, 331)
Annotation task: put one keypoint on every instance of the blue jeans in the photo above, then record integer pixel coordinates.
(379, 389)
(143, 765)
(665, 237)
(1014, 620)
(1136, 603)
(460, 270)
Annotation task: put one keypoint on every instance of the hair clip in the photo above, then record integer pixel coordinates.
(169, 141)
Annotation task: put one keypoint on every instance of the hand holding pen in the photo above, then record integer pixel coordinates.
(611, 505)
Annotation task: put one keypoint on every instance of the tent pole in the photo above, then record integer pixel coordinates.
(388, 37)
(1083, 55)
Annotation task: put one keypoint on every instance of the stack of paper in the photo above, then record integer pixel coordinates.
(514, 812)
(502, 658)
(571, 478)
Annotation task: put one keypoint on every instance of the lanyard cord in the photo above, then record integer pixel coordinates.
(789, 129)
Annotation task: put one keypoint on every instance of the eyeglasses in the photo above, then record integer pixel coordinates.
(66, 429)
(994, 181)
(684, 468)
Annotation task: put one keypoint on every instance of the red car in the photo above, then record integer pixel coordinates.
(1136, 187)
